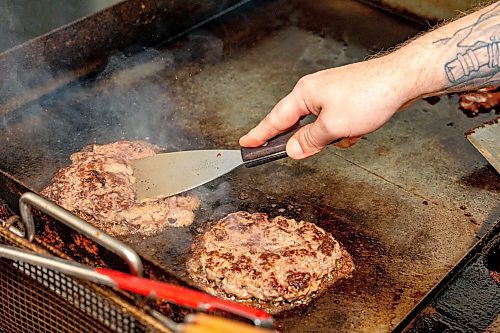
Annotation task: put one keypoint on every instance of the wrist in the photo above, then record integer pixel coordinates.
(417, 71)
(398, 72)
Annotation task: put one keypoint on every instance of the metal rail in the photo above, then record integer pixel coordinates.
(29, 200)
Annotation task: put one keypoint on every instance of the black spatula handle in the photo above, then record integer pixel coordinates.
(272, 150)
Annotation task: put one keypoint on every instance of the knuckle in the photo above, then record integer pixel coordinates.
(273, 121)
(259, 133)
(267, 118)
(284, 114)
(329, 128)
(284, 109)
(310, 140)
(325, 126)
(304, 82)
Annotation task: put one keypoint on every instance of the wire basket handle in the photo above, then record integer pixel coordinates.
(30, 199)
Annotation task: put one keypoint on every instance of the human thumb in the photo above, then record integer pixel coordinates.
(308, 140)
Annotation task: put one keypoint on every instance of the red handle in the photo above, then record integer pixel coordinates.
(184, 296)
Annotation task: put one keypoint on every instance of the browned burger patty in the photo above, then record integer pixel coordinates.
(249, 257)
(97, 186)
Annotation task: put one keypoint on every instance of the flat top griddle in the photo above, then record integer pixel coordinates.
(467, 298)
(405, 202)
(21, 19)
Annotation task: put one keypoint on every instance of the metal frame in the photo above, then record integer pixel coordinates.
(23, 252)
(71, 268)
(29, 200)
(61, 265)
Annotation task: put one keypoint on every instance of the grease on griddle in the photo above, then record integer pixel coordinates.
(485, 178)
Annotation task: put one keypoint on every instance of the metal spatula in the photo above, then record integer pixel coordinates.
(167, 174)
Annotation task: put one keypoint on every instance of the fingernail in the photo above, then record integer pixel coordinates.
(294, 149)
(243, 137)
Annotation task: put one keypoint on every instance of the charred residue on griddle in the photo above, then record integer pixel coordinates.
(467, 299)
(492, 260)
(429, 321)
(432, 100)
(472, 298)
(485, 178)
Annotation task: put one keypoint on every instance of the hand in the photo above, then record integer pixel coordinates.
(349, 102)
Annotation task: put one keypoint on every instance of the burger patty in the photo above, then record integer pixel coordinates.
(97, 186)
(249, 257)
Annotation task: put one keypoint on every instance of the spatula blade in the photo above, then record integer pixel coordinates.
(168, 174)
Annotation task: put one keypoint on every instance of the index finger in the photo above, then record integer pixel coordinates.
(283, 116)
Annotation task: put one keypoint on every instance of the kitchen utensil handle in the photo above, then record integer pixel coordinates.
(272, 150)
(218, 324)
(125, 252)
(184, 296)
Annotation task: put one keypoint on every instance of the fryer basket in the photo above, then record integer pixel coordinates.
(35, 299)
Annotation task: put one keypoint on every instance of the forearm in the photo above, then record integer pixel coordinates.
(462, 55)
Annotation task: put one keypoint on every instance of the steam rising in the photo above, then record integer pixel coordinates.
(131, 98)
(215, 202)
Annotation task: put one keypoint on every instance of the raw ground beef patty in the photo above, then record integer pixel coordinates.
(249, 257)
(97, 186)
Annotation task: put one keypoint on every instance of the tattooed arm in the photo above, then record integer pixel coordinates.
(357, 99)
(467, 51)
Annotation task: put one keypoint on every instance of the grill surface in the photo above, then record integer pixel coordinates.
(405, 203)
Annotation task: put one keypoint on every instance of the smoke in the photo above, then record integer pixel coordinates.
(135, 95)
(132, 97)
(215, 200)
(46, 116)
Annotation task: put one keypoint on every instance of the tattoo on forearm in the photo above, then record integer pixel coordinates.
(477, 60)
